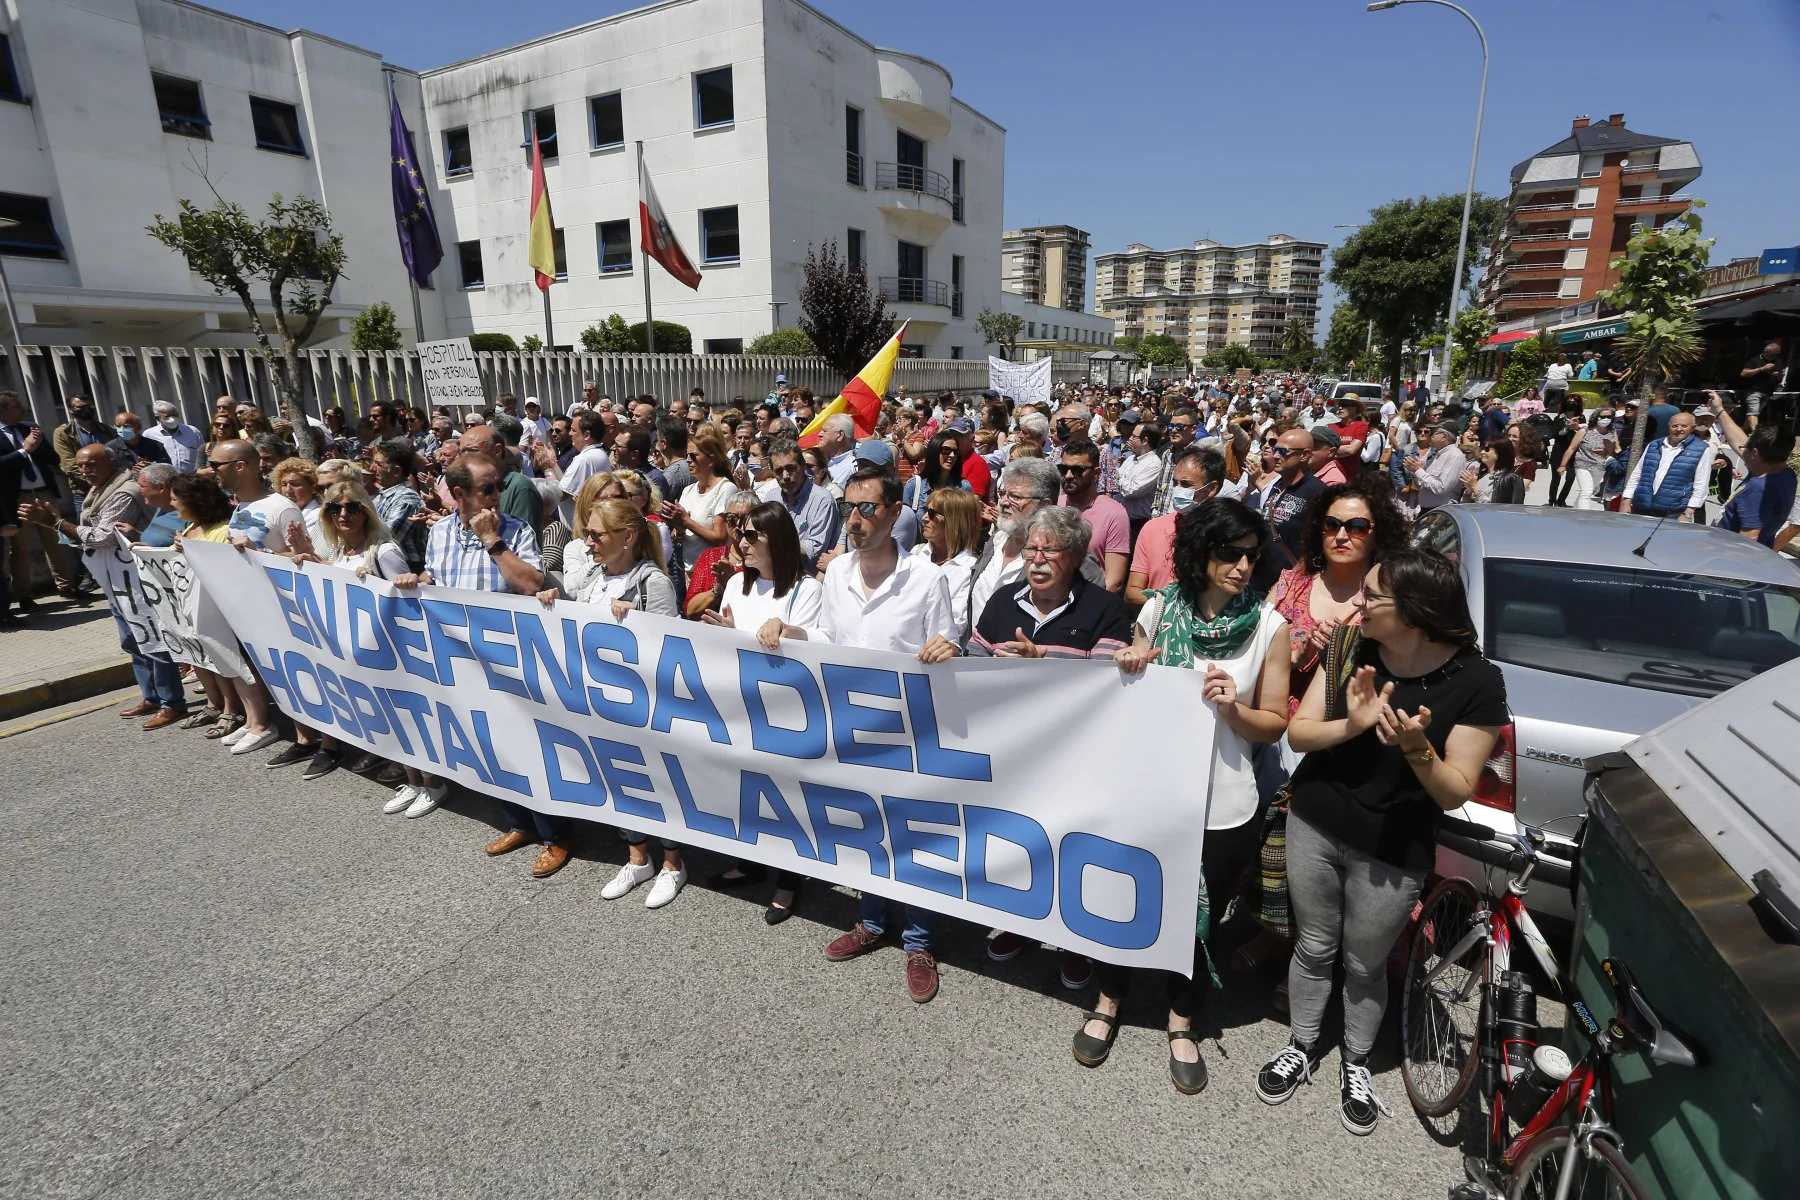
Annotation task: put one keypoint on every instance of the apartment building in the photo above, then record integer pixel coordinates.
(1210, 294)
(1573, 207)
(1046, 265)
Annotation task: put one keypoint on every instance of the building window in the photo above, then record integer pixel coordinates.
(956, 285)
(956, 352)
(277, 126)
(615, 247)
(956, 190)
(1587, 197)
(178, 104)
(10, 86)
(459, 159)
(712, 98)
(561, 254)
(469, 254)
(853, 252)
(1571, 288)
(724, 345)
(1581, 228)
(719, 235)
(606, 120)
(35, 234)
(853, 145)
(543, 124)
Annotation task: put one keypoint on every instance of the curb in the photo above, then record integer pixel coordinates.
(20, 699)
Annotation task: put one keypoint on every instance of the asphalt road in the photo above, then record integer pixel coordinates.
(221, 981)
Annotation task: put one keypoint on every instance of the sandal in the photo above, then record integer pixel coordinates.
(205, 716)
(1092, 1051)
(226, 725)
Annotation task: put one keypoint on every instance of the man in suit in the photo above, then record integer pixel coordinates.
(27, 473)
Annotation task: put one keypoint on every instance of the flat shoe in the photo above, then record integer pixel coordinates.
(775, 915)
(1189, 1077)
(752, 873)
(1092, 1051)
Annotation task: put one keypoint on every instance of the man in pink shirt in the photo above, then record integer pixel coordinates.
(1111, 544)
(1198, 476)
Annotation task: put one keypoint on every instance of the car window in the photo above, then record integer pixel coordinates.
(1437, 531)
(1691, 634)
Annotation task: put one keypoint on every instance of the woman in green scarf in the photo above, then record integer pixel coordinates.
(1208, 620)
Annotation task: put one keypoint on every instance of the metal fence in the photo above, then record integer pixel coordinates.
(136, 377)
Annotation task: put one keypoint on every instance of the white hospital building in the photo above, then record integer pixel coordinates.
(767, 128)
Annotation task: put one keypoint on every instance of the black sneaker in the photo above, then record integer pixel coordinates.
(1361, 1106)
(323, 763)
(291, 754)
(1283, 1074)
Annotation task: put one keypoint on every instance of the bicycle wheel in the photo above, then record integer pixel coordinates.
(1441, 1019)
(1601, 1172)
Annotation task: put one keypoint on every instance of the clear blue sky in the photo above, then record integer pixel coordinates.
(1161, 121)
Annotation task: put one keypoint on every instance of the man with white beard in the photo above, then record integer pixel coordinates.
(1026, 485)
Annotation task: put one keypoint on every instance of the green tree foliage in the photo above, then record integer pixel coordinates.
(375, 328)
(790, 342)
(611, 336)
(1346, 340)
(1525, 364)
(493, 343)
(1397, 269)
(1297, 350)
(670, 338)
(1474, 326)
(292, 254)
(1231, 357)
(847, 320)
(1000, 329)
(532, 343)
(1660, 275)
(1161, 350)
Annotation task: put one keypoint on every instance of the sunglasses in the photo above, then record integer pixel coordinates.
(933, 514)
(342, 510)
(1072, 469)
(1355, 526)
(1286, 451)
(216, 462)
(868, 508)
(1231, 554)
(486, 489)
(590, 537)
(751, 534)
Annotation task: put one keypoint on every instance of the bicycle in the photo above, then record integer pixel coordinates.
(1464, 1010)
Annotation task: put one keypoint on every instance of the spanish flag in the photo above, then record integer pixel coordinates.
(543, 228)
(861, 397)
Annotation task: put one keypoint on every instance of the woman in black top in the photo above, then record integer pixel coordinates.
(1402, 739)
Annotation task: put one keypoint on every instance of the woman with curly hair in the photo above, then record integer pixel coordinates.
(1345, 530)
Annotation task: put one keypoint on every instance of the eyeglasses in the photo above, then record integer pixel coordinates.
(484, 489)
(1232, 554)
(1042, 553)
(790, 469)
(751, 534)
(1072, 468)
(1370, 593)
(591, 537)
(932, 514)
(1355, 526)
(342, 510)
(692, 457)
(868, 508)
(1018, 498)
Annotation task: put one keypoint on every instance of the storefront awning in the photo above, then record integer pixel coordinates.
(1592, 333)
(1506, 339)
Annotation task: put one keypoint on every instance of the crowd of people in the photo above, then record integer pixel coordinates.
(1254, 532)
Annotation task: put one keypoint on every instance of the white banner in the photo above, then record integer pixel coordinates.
(451, 376)
(1063, 801)
(189, 623)
(115, 570)
(1026, 383)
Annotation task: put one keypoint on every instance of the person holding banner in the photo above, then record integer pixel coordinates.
(770, 593)
(206, 509)
(1208, 620)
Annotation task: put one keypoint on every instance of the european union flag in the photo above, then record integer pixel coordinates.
(413, 220)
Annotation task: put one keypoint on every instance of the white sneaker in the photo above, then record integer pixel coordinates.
(629, 876)
(235, 736)
(255, 741)
(427, 800)
(667, 886)
(403, 796)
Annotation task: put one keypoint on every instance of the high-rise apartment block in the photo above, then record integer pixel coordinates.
(1572, 209)
(1046, 265)
(1211, 294)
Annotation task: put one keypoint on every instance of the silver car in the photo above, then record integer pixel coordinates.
(1605, 627)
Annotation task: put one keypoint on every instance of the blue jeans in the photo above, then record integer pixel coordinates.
(634, 838)
(158, 678)
(550, 830)
(916, 935)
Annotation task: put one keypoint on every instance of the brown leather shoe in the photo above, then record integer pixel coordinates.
(549, 861)
(509, 841)
(142, 708)
(921, 976)
(165, 716)
(858, 941)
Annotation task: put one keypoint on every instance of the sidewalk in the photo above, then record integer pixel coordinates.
(63, 652)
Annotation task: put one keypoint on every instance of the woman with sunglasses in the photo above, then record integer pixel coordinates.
(1496, 482)
(225, 428)
(1345, 530)
(819, 465)
(772, 591)
(940, 467)
(1402, 739)
(205, 508)
(950, 536)
(1208, 620)
(713, 569)
(698, 521)
(1588, 455)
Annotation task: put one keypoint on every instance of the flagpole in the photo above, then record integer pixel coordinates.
(649, 318)
(418, 316)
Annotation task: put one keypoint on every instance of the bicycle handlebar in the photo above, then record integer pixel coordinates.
(1530, 840)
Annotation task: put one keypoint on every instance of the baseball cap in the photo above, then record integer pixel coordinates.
(532, 402)
(874, 450)
(1131, 416)
(990, 394)
(1325, 435)
(962, 427)
(781, 379)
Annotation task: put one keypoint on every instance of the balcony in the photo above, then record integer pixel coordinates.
(904, 289)
(1681, 201)
(853, 168)
(916, 92)
(1516, 301)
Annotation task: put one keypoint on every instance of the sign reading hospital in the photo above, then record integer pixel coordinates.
(451, 377)
(989, 790)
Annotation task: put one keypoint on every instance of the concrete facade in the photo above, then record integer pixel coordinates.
(87, 139)
(1046, 264)
(1209, 295)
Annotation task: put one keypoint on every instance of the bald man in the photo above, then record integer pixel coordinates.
(262, 518)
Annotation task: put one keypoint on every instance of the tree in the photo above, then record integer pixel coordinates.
(611, 336)
(1525, 363)
(670, 338)
(292, 252)
(1397, 268)
(1297, 350)
(1161, 350)
(1661, 273)
(493, 343)
(1474, 326)
(1001, 329)
(790, 342)
(1230, 357)
(1347, 341)
(532, 343)
(374, 328)
(846, 319)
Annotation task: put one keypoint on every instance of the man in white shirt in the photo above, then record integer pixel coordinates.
(588, 432)
(879, 599)
(537, 426)
(837, 441)
(1656, 494)
(182, 441)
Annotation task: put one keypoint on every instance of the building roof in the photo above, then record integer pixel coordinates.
(1601, 137)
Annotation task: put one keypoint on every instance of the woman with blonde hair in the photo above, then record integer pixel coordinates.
(698, 520)
(950, 536)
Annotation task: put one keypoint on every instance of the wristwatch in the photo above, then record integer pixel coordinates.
(497, 547)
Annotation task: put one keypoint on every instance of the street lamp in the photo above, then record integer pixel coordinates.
(1474, 155)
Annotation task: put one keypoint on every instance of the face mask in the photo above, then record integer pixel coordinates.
(128, 433)
(170, 423)
(1181, 498)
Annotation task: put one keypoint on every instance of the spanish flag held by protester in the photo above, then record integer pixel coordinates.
(861, 397)
(543, 228)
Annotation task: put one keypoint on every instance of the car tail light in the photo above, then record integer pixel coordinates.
(1496, 787)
